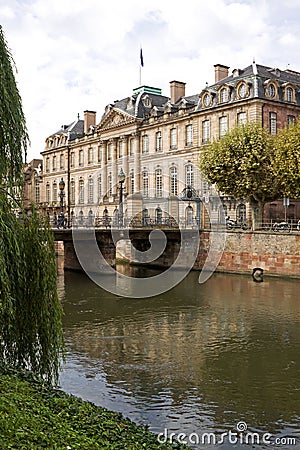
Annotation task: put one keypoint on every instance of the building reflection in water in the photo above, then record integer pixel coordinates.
(199, 357)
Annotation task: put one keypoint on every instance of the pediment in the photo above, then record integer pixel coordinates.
(114, 119)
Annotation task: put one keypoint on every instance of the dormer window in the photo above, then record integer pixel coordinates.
(167, 107)
(271, 90)
(147, 101)
(243, 90)
(224, 95)
(207, 100)
(289, 93)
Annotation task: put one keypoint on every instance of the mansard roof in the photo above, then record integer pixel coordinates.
(73, 130)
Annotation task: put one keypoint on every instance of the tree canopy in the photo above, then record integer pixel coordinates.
(286, 161)
(240, 164)
(13, 131)
(30, 311)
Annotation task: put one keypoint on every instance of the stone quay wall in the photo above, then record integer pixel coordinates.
(277, 253)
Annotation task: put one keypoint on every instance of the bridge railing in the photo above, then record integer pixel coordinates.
(107, 222)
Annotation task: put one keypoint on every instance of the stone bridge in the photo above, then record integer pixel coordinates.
(107, 241)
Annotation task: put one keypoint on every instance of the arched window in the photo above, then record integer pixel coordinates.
(91, 190)
(289, 94)
(189, 215)
(48, 193)
(145, 217)
(224, 95)
(158, 183)
(72, 192)
(173, 181)
(145, 177)
(54, 191)
(81, 191)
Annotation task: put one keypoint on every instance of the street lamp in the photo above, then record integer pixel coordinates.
(121, 178)
(61, 217)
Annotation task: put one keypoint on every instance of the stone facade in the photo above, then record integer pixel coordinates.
(157, 140)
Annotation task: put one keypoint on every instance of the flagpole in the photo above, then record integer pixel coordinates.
(141, 64)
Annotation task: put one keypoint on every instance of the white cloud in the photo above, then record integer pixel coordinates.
(73, 55)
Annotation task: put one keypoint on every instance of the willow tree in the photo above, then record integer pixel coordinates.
(287, 160)
(30, 311)
(240, 164)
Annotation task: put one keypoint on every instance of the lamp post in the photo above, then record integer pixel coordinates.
(61, 217)
(121, 178)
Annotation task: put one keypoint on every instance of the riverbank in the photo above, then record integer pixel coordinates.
(35, 416)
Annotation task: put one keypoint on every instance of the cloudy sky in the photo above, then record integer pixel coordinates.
(74, 55)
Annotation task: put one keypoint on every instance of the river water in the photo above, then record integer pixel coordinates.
(213, 358)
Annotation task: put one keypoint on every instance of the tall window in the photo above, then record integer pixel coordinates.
(173, 138)
(131, 181)
(158, 183)
(48, 164)
(205, 131)
(189, 134)
(289, 94)
(145, 183)
(54, 165)
(62, 161)
(109, 151)
(241, 118)
(145, 144)
(109, 184)
(273, 123)
(72, 159)
(131, 147)
(81, 191)
(290, 120)
(189, 175)
(72, 192)
(121, 148)
(37, 192)
(99, 186)
(90, 155)
(224, 95)
(91, 190)
(223, 125)
(54, 187)
(158, 146)
(81, 157)
(173, 181)
(48, 193)
(100, 149)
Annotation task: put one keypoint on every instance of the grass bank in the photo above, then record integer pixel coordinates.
(35, 416)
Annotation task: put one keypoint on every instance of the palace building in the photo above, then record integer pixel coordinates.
(156, 140)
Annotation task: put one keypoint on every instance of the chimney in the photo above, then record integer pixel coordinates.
(220, 72)
(177, 90)
(89, 120)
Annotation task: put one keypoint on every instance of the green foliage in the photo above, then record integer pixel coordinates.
(30, 311)
(286, 160)
(240, 164)
(34, 416)
(13, 132)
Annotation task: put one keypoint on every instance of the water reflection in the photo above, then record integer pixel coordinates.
(195, 359)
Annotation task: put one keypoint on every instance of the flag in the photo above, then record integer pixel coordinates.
(141, 57)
